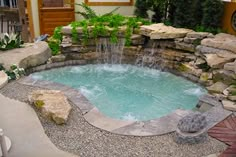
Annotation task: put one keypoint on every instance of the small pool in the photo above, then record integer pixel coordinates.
(128, 92)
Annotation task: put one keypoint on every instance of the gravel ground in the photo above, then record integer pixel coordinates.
(80, 138)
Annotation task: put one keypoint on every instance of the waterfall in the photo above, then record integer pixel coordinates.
(148, 57)
(109, 52)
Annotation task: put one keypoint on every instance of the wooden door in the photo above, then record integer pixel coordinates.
(53, 13)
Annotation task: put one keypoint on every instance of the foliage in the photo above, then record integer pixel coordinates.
(55, 41)
(1, 67)
(10, 41)
(197, 12)
(163, 10)
(14, 72)
(201, 15)
(39, 104)
(208, 29)
(183, 14)
(212, 13)
(142, 6)
(89, 13)
(106, 26)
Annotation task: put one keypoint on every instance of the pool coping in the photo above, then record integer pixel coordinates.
(93, 116)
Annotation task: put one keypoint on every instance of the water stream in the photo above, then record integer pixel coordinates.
(110, 53)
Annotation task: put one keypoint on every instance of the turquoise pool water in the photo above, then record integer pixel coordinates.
(128, 92)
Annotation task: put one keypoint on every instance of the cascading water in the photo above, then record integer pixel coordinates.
(109, 52)
(148, 58)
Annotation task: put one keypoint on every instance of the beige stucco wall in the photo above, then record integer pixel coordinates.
(35, 15)
(124, 10)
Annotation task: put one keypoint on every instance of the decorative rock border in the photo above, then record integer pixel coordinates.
(157, 126)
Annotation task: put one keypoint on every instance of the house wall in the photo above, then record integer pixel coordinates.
(35, 15)
(124, 10)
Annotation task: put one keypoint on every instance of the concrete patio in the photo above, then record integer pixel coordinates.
(21, 124)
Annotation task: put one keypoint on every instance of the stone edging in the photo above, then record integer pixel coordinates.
(157, 126)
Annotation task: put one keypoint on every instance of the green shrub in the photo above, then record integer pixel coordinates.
(212, 14)
(55, 41)
(102, 25)
(10, 41)
(141, 8)
(197, 12)
(89, 13)
(14, 72)
(1, 67)
(183, 14)
(39, 104)
(54, 45)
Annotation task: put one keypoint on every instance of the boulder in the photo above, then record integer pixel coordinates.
(218, 60)
(185, 46)
(131, 51)
(207, 101)
(198, 35)
(66, 41)
(230, 92)
(192, 123)
(218, 87)
(191, 129)
(161, 31)
(58, 58)
(205, 77)
(227, 77)
(190, 69)
(137, 39)
(232, 97)
(229, 105)
(230, 66)
(221, 41)
(199, 62)
(3, 79)
(170, 54)
(52, 104)
(27, 57)
(189, 40)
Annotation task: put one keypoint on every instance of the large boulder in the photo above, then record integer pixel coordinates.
(52, 104)
(161, 31)
(27, 57)
(191, 129)
(229, 105)
(221, 41)
(192, 123)
(3, 78)
(199, 35)
(218, 87)
(216, 58)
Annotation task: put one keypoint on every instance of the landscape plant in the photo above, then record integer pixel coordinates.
(55, 41)
(106, 26)
(10, 41)
(14, 72)
(141, 8)
(212, 15)
(200, 15)
(89, 13)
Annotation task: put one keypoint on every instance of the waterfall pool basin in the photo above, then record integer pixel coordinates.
(127, 92)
